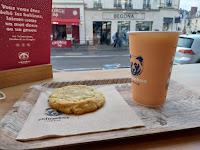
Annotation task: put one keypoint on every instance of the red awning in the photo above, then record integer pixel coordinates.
(62, 21)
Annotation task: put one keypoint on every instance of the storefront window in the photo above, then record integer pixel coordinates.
(167, 24)
(144, 25)
(59, 32)
(65, 32)
(123, 28)
(101, 32)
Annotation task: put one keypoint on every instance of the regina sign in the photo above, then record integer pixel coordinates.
(123, 16)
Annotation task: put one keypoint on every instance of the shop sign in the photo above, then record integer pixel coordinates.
(25, 33)
(61, 44)
(65, 13)
(168, 20)
(123, 16)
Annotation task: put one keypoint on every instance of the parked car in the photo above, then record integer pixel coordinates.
(188, 49)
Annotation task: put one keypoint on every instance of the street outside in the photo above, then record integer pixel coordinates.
(82, 58)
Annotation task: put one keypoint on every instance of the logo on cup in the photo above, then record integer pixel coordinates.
(136, 65)
(52, 112)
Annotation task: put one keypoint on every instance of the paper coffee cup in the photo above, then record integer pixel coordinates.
(151, 57)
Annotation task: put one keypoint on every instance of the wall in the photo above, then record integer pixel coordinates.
(108, 4)
(170, 13)
(89, 3)
(138, 4)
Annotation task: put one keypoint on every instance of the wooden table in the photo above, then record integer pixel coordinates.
(185, 74)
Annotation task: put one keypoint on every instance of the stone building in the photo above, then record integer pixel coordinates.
(103, 18)
(194, 22)
(191, 23)
(98, 20)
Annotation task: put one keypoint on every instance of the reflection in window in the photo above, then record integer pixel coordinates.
(58, 32)
(101, 33)
(123, 28)
(144, 26)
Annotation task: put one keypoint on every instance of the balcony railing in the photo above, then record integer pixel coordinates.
(168, 4)
(97, 5)
(117, 5)
(146, 6)
(128, 6)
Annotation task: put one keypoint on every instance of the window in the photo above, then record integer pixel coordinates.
(189, 22)
(146, 4)
(168, 3)
(58, 32)
(97, 4)
(117, 4)
(196, 21)
(101, 32)
(128, 4)
(144, 26)
(185, 42)
(123, 28)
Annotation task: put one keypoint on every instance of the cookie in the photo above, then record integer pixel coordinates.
(76, 99)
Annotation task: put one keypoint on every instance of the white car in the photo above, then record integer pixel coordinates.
(188, 49)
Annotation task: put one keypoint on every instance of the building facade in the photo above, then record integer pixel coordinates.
(68, 23)
(96, 21)
(195, 24)
(103, 18)
(190, 21)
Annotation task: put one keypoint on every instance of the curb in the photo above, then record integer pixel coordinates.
(88, 69)
(91, 48)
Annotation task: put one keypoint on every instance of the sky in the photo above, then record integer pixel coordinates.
(187, 4)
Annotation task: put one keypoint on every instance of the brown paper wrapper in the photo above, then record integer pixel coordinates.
(44, 121)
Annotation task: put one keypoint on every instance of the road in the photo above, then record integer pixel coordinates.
(78, 60)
